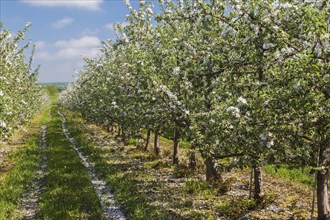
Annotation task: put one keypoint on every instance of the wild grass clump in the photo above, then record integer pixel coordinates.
(235, 208)
(197, 187)
(291, 174)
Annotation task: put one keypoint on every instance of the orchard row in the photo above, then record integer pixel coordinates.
(20, 95)
(247, 80)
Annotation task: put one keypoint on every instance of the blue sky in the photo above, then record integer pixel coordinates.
(64, 30)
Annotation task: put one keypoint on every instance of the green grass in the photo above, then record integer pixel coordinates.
(234, 208)
(23, 163)
(200, 188)
(68, 192)
(132, 141)
(13, 186)
(291, 174)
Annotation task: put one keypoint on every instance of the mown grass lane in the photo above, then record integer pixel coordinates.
(68, 192)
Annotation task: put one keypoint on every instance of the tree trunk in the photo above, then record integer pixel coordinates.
(176, 146)
(137, 136)
(123, 133)
(323, 209)
(192, 159)
(147, 140)
(250, 187)
(156, 142)
(257, 183)
(119, 132)
(211, 173)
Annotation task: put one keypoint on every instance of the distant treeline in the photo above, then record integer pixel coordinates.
(59, 85)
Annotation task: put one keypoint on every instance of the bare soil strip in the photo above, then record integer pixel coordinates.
(109, 206)
(31, 198)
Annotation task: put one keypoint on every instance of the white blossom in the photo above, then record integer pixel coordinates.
(162, 87)
(28, 24)
(125, 38)
(149, 11)
(270, 143)
(234, 110)
(176, 70)
(168, 11)
(237, 7)
(263, 137)
(172, 95)
(288, 5)
(242, 100)
(297, 85)
(1, 92)
(2, 124)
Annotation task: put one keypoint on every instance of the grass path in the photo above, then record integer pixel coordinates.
(31, 198)
(109, 206)
(68, 192)
(43, 175)
(21, 160)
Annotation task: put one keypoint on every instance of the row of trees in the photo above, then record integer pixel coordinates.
(241, 78)
(20, 94)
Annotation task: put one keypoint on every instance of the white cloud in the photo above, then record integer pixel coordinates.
(59, 59)
(40, 45)
(71, 53)
(109, 26)
(88, 31)
(43, 55)
(83, 42)
(63, 22)
(83, 4)
(73, 49)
